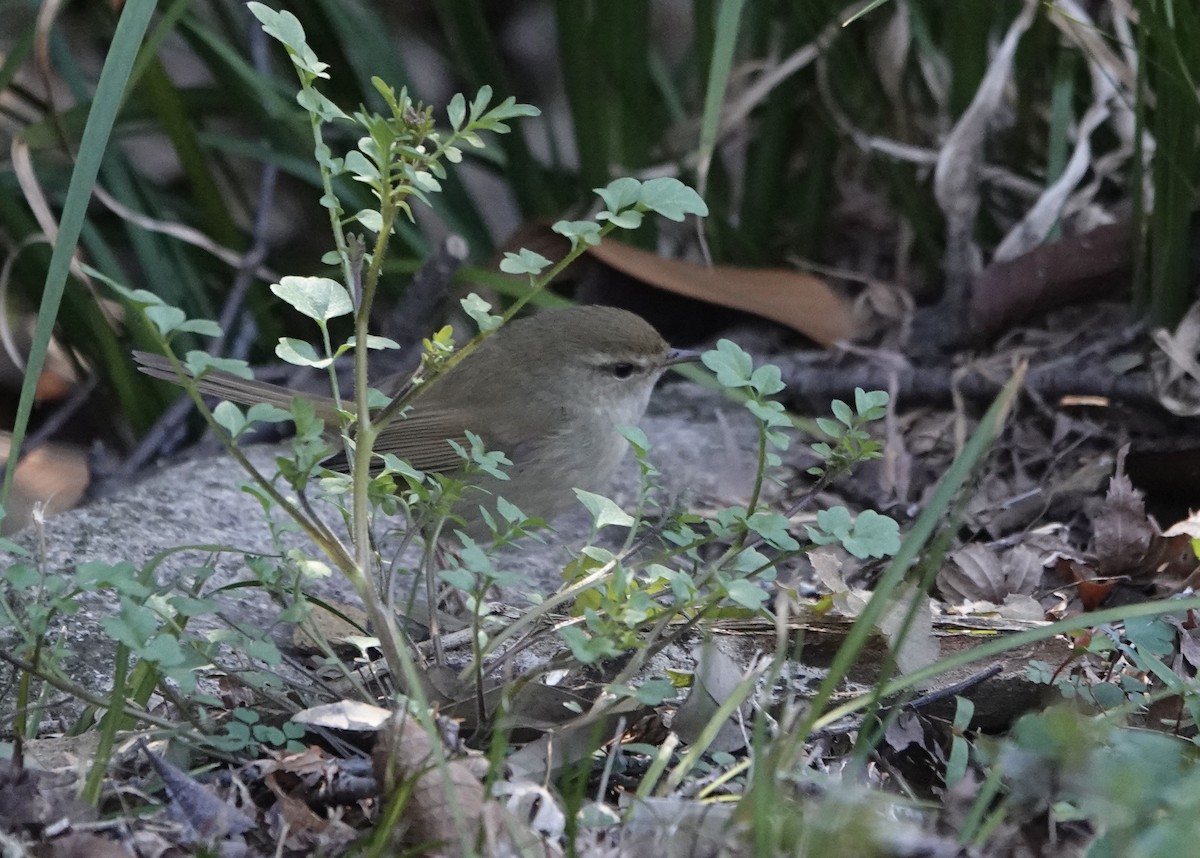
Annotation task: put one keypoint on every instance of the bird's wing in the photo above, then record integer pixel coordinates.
(237, 389)
(421, 439)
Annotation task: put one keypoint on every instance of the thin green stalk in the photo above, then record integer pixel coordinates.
(335, 211)
(110, 723)
(759, 473)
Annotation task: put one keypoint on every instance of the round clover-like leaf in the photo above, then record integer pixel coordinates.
(524, 262)
(672, 199)
(620, 194)
(731, 364)
(165, 317)
(300, 353)
(480, 310)
(585, 231)
(319, 298)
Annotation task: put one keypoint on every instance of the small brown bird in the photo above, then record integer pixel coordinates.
(549, 391)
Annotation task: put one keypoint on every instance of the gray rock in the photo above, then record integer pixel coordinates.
(701, 442)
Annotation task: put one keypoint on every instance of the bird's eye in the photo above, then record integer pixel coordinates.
(621, 370)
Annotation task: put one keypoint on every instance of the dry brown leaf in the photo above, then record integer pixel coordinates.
(715, 680)
(973, 574)
(343, 715)
(447, 803)
(905, 730)
(1121, 533)
(912, 640)
(338, 629)
(792, 298)
(86, 845)
(204, 816)
(1023, 570)
(1126, 542)
(976, 573)
(293, 811)
(52, 474)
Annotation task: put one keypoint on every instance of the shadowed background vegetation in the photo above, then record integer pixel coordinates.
(812, 143)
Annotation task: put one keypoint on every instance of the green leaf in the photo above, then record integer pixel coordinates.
(134, 296)
(21, 576)
(509, 511)
(875, 535)
(672, 199)
(198, 362)
(373, 342)
(318, 105)
(283, 26)
(456, 110)
(870, 405)
(300, 353)
(748, 560)
(604, 510)
(362, 168)
(830, 427)
(203, 327)
(769, 413)
(620, 194)
(510, 108)
(490, 462)
(264, 650)
(746, 593)
(585, 231)
(870, 535)
(654, 692)
(582, 646)
(319, 298)
(479, 310)
(600, 555)
(370, 219)
(524, 262)
(230, 418)
(425, 181)
(165, 317)
(731, 364)
(636, 438)
(262, 412)
(480, 102)
(767, 380)
(773, 528)
(393, 464)
(1150, 635)
(162, 650)
(842, 412)
(628, 219)
(286, 27)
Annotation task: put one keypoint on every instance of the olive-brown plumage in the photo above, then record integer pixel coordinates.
(549, 391)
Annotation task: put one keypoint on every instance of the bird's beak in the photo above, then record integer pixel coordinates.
(678, 356)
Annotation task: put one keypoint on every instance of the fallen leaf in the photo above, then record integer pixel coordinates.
(792, 298)
(716, 679)
(52, 474)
